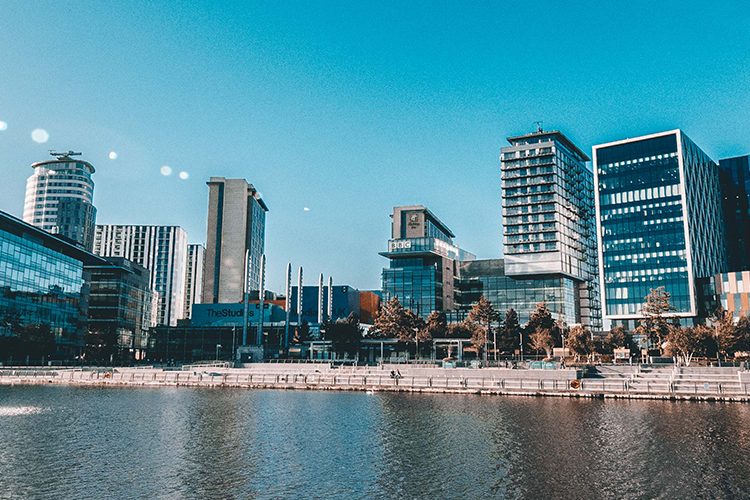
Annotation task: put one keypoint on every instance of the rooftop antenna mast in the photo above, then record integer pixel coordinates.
(539, 128)
(63, 155)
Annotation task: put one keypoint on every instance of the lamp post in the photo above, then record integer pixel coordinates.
(218, 346)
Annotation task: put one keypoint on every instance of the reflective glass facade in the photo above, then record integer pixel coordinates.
(659, 221)
(488, 278)
(423, 259)
(42, 288)
(734, 174)
(120, 302)
(548, 217)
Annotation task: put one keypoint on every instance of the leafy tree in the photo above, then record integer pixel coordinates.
(478, 336)
(393, 321)
(684, 343)
(725, 334)
(541, 340)
(345, 334)
(654, 325)
(617, 338)
(510, 331)
(436, 326)
(539, 328)
(743, 333)
(462, 330)
(578, 340)
(483, 314)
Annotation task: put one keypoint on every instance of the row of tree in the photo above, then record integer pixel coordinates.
(722, 336)
(482, 325)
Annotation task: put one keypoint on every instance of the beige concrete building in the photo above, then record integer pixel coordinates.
(236, 223)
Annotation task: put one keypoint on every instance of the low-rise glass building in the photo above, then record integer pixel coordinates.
(488, 278)
(43, 294)
(120, 300)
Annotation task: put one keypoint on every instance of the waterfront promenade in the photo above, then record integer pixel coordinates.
(636, 382)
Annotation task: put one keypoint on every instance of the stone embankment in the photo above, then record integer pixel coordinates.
(726, 384)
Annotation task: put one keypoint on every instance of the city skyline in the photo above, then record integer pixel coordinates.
(420, 106)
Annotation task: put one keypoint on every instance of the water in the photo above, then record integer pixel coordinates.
(65, 442)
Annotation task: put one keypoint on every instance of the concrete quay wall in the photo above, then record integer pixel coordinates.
(443, 381)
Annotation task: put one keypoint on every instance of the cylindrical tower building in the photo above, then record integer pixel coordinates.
(59, 198)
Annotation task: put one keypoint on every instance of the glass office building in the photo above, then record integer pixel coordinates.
(423, 259)
(548, 218)
(488, 278)
(43, 293)
(120, 299)
(734, 175)
(659, 222)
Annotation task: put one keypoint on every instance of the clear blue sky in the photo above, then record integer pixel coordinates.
(350, 108)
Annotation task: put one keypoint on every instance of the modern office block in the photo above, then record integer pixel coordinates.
(487, 277)
(120, 301)
(194, 277)
(734, 175)
(236, 225)
(548, 219)
(59, 198)
(43, 293)
(423, 261)
(659, 222)
(160, 249)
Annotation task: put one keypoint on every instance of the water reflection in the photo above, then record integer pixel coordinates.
(203, 443)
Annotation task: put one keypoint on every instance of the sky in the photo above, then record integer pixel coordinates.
(338, 111)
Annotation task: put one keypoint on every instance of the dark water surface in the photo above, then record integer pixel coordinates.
(65, 442)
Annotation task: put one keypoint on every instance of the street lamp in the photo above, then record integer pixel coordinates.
(218, 346)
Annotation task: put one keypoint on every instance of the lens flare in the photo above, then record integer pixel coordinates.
(184, 175)
(112, 155)
(39, 135)
(165, 170)
(3, 125)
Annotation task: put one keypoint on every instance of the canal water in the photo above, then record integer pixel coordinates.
(67, 442)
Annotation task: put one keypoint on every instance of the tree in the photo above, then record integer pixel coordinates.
(510, 331)
(436, 326)
(345, 334)
(478, 336)
(654, 326)
(540, 328)
(578, 340)
(462, 330)
(684, 343)
(725, 334)
(392, 321)
(541, 340)
(743, 334)
(483, 314)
